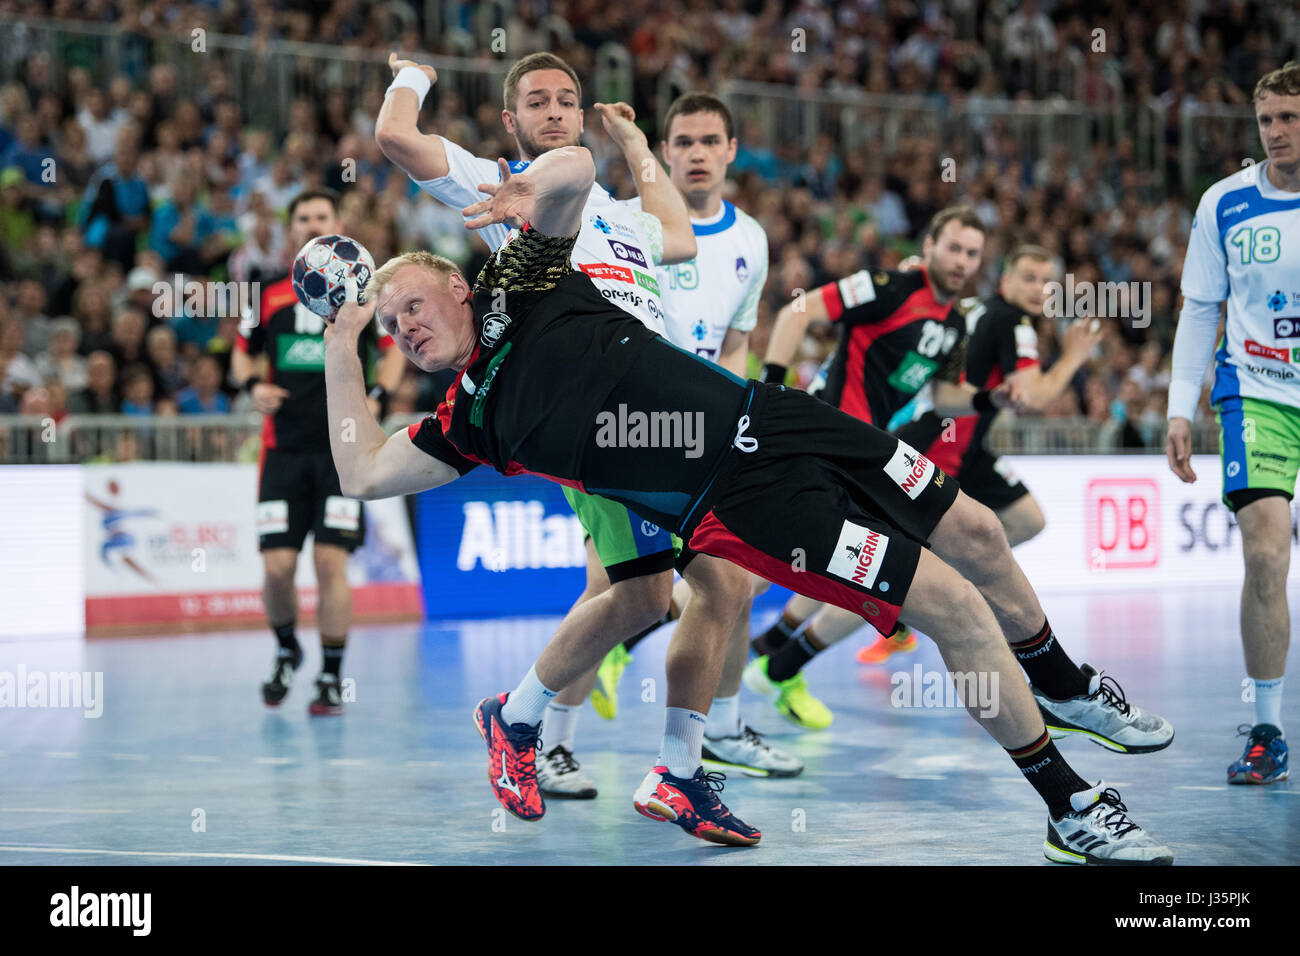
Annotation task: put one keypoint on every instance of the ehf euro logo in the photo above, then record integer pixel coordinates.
(1277, 301)
(494, 326)
(742, 270)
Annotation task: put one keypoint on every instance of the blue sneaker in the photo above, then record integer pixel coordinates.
(693, 805)
(1264, 760)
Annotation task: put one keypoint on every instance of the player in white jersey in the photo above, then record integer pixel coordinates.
(630, 561)
(712, 306)
(1245, 249)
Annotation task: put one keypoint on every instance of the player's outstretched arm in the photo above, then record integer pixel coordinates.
(1041, 388)
(788, 331)
(659, 197)
(550, 194)
(370, 464)
(397, 129)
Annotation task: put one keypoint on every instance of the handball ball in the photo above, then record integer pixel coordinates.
(320, 268)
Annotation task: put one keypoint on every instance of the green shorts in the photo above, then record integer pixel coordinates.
(628, 546)
(1259, 444)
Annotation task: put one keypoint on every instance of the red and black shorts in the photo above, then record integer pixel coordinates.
(297, 492)
(824, 504)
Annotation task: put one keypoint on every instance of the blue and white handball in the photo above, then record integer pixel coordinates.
(320, 268)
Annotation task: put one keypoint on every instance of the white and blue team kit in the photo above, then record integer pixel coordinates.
(619, 246)
(719, 289)
(1245, 248)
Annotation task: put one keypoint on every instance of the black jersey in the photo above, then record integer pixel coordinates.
(1002, 340)
(557, 383)
(894, 337)
(292, 336)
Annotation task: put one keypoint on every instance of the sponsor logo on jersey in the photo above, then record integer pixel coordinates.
(1268, 371)
(913, 372)
(623, 296)
(494, 326)
(646, 282)
(602, 225)
(910, 470)
(649, 529)
(700, 331)
(628, 253)
(1267, 351)
(601, 270)
(857, 289)
(1277, 301)
(858, 554)
(300, 353)
(742, 270)
(1026, 342)
(1286, 327)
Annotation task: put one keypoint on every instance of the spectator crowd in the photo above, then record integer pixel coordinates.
(115, 184)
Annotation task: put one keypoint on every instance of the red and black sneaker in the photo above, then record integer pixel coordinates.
(693, 805)
(512, 759)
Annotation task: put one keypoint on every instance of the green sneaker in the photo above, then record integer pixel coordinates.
(795, 703)
(604, 695)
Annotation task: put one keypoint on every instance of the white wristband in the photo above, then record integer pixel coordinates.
(411, 78)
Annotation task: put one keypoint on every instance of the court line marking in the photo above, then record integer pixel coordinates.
(270, 857)
(56, 810)
(65, 754)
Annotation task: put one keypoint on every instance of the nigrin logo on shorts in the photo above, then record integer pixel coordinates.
(858, 554)
(910, 469)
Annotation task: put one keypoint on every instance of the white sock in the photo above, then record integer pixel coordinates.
(1268, 702)
(683, 741)
(528, 701)
(560, 721)
(724, 717)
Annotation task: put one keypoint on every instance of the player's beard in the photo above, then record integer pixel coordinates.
(530, 147)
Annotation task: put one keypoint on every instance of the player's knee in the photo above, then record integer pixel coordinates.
(984, 537)
(643, 600)
(280, 573)
(1266, 567)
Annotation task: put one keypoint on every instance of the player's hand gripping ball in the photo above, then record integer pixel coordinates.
(320, 268)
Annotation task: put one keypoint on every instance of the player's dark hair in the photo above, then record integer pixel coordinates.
(317, 193)
(962, 214)
(696, 102)
(1284, 81)
(535, 61)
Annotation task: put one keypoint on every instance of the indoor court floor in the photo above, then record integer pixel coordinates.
(186, 766)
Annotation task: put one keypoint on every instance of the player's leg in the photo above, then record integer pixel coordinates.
(1258, 443)
(338, 529)
(779, 676)
(283, 519)
(637, 556)
(1022, 520)
(677, 789)
(797, 611)
(1077, 699)
(729, 742)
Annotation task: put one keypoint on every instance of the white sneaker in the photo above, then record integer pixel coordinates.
(1105, 717)
(749, 753)
(1098, 831)
(560, 778)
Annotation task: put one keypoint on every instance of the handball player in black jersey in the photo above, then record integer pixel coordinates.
(279, 360)
(552, 380)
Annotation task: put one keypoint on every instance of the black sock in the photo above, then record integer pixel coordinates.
(791, 657)
(289, 646)
(333, 658)
(774, 638)
(1049, 668)
(636, 639)
(1049, 774)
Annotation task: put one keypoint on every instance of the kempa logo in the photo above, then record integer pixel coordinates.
(103, 909)
(1103, 300)
(651, 430)
(38, 689)
(973, 690)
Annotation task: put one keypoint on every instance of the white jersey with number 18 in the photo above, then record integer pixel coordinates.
(1245, 248)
